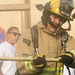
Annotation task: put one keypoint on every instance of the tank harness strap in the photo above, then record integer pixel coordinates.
(64, 37)
(34, 34)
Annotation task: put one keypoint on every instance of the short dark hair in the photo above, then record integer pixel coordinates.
(11, 28)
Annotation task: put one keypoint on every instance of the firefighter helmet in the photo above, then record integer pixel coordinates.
(62, 8)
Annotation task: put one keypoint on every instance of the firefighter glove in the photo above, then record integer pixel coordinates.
(39, 61)
(66, 58)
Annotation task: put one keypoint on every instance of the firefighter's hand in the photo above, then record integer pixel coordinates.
(66, 58)
(39, 61)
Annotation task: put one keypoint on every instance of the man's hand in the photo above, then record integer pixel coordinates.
(39, 61)
(66, 58)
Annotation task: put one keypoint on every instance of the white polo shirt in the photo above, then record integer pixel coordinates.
(8, 67)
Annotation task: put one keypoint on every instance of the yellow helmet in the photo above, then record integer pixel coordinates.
(62, 8)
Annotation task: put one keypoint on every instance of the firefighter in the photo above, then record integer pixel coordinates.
(47, 39)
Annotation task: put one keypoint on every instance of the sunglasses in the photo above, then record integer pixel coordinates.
(15, 34)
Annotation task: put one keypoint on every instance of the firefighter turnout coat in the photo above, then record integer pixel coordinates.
(49, 45)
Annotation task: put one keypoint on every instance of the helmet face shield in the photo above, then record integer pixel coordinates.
(66, 6)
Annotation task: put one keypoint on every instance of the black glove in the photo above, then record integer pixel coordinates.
(67, 58)
(39, 61)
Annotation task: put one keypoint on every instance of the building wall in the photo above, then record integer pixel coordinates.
(10, 18)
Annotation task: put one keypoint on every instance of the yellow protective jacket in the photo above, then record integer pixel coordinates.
(49, 45)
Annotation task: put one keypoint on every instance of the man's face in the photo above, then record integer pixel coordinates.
(57, 22)
(13, 36)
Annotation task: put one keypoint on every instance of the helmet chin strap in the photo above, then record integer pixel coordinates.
(52, 24)
(69, 28)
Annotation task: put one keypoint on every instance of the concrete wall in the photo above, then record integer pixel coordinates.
(10, 18)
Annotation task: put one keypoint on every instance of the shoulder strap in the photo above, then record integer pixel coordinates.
(64, 38)
(34, 34)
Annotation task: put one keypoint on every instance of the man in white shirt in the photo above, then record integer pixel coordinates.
(7, 49)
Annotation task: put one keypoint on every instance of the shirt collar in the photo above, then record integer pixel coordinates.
(43, 28)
